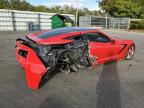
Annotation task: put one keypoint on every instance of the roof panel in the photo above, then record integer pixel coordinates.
(60, 31)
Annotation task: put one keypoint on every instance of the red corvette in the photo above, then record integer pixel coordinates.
(68, 49)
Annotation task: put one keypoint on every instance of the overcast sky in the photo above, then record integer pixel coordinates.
(90, 4)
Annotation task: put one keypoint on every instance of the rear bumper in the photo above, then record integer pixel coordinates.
(31, 63)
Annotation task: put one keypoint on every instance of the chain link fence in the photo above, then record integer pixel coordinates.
(104, 22)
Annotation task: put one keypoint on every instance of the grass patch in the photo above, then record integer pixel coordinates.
(137, 30)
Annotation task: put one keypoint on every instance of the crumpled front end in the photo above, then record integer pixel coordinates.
(38, 59)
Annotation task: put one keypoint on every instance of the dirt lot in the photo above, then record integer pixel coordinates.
(113, 85)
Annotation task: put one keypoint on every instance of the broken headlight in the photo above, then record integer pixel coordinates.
(44, 50)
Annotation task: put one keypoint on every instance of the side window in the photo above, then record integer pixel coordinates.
(97, 37)
(78, 37)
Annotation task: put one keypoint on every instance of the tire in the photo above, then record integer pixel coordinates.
(130, 52)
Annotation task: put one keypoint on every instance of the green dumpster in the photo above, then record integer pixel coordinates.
(59, 21)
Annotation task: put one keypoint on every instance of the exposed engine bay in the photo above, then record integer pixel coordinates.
(64, 57)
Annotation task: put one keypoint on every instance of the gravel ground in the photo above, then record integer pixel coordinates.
(113, 85)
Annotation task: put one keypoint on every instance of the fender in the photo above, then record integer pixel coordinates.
(33, 66)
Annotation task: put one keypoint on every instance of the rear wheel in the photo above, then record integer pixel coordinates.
(130, 52)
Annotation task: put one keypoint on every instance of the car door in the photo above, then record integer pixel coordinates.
(101, 46)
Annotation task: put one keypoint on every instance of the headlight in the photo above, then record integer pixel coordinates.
(44, 50)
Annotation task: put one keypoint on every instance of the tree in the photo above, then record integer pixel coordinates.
(41, 8)
(97, 13)
(141, 3)
(26, 6)
(4, 4)
(122, 8)
(17, 5)
(56, 9)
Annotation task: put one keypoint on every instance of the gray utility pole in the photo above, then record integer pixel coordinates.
(106, 21)
(76, 19)
(75, 2)
(128, 24)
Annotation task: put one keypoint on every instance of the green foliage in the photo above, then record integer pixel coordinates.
(56, 9)
(15, 4)
(123, 8)
(137, 24)
(25, 6)
(134, 24)
(4, 4)
(41, 8)
(141, 26)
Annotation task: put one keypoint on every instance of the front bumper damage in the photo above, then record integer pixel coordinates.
(37, 60)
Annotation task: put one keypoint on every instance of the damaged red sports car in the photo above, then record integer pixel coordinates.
(68, 49)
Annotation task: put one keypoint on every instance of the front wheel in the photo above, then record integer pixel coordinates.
(130, 52)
